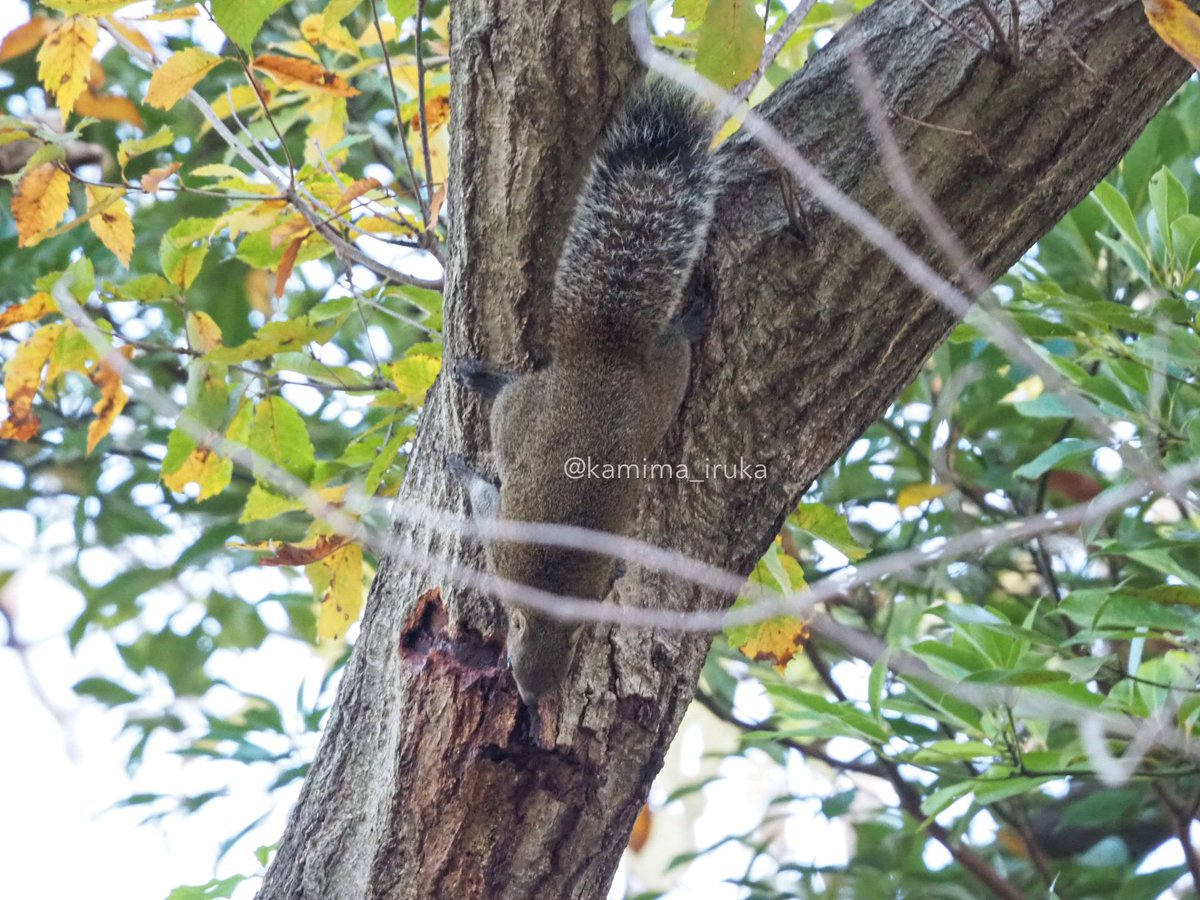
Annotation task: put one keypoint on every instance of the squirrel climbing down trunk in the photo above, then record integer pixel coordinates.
(619, 357)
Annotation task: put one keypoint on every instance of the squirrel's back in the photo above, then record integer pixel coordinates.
(640, 223)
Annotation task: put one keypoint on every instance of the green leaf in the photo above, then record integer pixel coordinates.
(217, 889)
(731, 42)
(107, 692)
(243, 19)
(279, 337)
(1169, 200)
(830, 526)
(280, 436)
(137, 146)
(1054, 456)
(183, 249)
(1117, 209)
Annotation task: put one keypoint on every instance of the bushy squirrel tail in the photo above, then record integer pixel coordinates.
(640, 224)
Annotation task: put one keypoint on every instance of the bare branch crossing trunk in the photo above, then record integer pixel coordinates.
(427, 782)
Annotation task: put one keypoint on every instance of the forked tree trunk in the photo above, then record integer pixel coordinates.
(427, 782)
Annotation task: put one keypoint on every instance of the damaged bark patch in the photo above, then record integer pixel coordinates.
(429, 638)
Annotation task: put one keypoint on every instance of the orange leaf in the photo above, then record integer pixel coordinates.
(286, 263)
(1177, 25)
(298, 555)
(437, 114)
(40, 202)
(356, 190)
(65, 60)
(26, 37)
(132, 35)
(178, 75)
(641, 829)
(300, 74)
(22, 378)
(112, 399)
(109, 107)
(40, 304)
(110, 221)
(152, 179)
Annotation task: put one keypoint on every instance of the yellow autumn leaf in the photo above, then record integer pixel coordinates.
(370, 37)
(40, 304)
(22, 378)
(113, 398)
(326, 129)
(170, 83)
(299, 74)
(174, 15)
(1177, 25)
(109, 221)
(203, 333)
(776, 642)
(39, 202)
(439, 154)
(87, 7)
(414, 376)
(204, 468)
(65, 61)
(916, 494)
(337, 581)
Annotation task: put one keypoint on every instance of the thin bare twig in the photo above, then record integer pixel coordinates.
(343, 248)
(960, 32)
(1005, 48)
(412, 172)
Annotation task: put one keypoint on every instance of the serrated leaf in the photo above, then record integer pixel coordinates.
(128, 149)
(39, 305)
(1177, 25)
(300, 74)
(830, 526)
(202, 467)
(113, 398)
(65, 60)
(171, 82)
(40, 202)
(183, 249)
(414, 376)
(338, 581)
(243, 19)
(22, 378)
(731, 42)
(110, 221)
(280, 436)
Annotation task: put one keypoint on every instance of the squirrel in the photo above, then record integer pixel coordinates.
(619, 359)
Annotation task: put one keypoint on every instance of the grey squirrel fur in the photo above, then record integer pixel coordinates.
(619, 356)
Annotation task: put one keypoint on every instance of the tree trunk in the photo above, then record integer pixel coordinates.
(428, 782)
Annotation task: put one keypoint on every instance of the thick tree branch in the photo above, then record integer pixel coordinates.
(429, 780)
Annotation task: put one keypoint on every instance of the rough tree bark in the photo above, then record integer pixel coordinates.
(427, 782)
